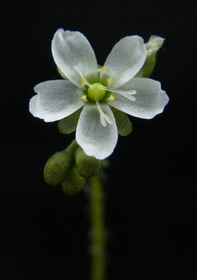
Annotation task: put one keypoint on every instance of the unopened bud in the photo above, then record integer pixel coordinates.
(73, 183)
(87, 166)
(152, 46)
(57, 168)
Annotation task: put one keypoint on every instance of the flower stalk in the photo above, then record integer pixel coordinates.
(95, 100)
(98, 240)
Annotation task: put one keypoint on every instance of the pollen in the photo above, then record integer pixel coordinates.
(84, 98)
(111, 98)
(83, 81)
(103, 69)
(110, 80)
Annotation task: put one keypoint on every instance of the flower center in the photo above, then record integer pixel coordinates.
(96, 92)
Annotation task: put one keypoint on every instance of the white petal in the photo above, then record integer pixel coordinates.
(150, 100)
(125, 60)
(95, 139)
(55, 100)
(72, 50)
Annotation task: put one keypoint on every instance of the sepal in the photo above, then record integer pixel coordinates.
(122, 121)
(69, 124)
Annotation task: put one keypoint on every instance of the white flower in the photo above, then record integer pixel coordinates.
(96, 90)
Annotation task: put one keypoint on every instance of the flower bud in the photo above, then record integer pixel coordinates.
(57, 168)
(152, 46)
(73, 183)
(87, 166)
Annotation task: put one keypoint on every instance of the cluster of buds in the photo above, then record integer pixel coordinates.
(71, 168)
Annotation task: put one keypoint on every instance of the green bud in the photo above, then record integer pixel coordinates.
(152, 46)
(59, 165)
(87, 166)
(57, 168)
(73, 183)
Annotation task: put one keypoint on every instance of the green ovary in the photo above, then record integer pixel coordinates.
(96, 92)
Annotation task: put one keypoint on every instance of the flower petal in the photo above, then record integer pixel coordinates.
(125, 60)
(55, 100)
(72, 50)
(95, 139)
(150, 100)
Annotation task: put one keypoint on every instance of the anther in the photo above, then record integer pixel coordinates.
(111, 98)
(84, 98)
(83, 81)
(103, 69)
(110, 80)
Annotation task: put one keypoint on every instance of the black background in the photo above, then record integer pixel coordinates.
(150, 190)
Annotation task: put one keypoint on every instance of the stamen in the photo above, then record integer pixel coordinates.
(83, 81)
(131, 92)
(103, 117)
(108, 119)
(103, 69)
(78, 68)
(84, 98)
(126, 94)
(111, 98)
(110, 81)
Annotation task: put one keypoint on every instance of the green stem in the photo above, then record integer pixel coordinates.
(72, 147)
(97, 229)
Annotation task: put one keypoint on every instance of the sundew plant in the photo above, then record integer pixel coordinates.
(95, 101)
